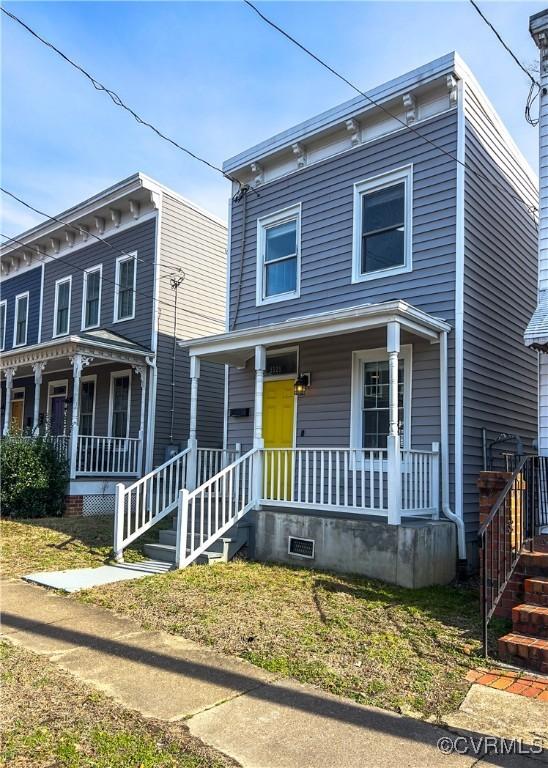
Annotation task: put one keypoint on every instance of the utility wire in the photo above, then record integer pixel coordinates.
(136, 292)
(117, 100)
(531, 208)
(504, 44)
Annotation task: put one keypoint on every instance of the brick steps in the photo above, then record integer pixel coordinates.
(536, 590)
(534, 563)
(524, 651)
(530, 620)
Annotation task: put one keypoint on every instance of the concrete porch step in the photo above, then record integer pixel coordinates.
(222, 550)
(536, 590)
(530, 620)
(524, 651)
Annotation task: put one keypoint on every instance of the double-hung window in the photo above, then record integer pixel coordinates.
(87, 405)
(124, 292)
(3, 316)
(20, 326)
(61, 321)
(278, 255)
(91, 309)
(371, 398)
(382, 225)
(120, 392)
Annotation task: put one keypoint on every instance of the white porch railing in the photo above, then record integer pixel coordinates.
(214, 507)
(107, 455)
(210, 461)
(420, 487)
(145, 502)
(60, 442)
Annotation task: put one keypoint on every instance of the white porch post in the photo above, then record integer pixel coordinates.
(9, 373)
(38, 369)
(192, 460)
(258, 441)
(393, 440)
(79, 361)
(141, 371)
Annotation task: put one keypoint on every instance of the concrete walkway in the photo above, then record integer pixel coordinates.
(258, 720)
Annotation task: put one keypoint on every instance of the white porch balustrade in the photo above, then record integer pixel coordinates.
(108, 455)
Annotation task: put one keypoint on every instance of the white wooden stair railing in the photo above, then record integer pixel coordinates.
(209, 511)
(144, 503)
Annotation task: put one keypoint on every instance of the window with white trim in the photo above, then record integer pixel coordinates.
(20, 326)
(87, 406)
(63, 289)
(124, 292)
(278, 255)
(91, 311)
(371, 398)
(382, 225)
(120, 390)
(3, 316)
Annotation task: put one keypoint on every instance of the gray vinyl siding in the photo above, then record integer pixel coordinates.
(195, 243)
(500, 280)
(325, 191)
(323, 414)
(140, 238)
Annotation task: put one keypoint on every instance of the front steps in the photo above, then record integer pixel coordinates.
(221, 551)
(527, 644)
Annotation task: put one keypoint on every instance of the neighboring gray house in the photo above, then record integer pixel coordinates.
(88, 332)
(381, 275)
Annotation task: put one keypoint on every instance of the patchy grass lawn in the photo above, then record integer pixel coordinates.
(395, 648)
(377, 644)
(55, 543)
(51, 719)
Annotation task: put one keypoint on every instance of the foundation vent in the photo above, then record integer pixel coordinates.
(301, 547)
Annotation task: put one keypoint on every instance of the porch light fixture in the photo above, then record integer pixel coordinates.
(302, 384)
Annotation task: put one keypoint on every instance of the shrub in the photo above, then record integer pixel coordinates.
(33, 476)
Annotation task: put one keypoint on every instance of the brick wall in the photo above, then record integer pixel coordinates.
(74, 506)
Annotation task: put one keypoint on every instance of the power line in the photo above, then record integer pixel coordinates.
(117, 100)
(531, 209)
(505, 44)
(136, 292)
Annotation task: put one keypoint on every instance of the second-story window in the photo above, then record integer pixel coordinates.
(382, 225)
(3, 314)
(124, 298)
(21, 319)
(62, 306)
(278, 256)
(91, 310)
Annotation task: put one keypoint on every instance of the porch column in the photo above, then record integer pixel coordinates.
(258, 441)
(192, 460)
(141, 371)
(79, 361)
(393, 440)
(38, 369)
(9, 373)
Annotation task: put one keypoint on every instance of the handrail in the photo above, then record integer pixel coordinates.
(496, 506)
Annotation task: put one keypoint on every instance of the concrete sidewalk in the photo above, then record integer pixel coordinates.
(258, 720)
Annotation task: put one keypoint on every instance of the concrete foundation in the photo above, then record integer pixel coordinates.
(417, 553)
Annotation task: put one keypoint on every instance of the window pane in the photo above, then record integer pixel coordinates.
(2, 324)
(281, 241)
(376, 401)
(125, 290)
(120, 406)
(21, 321)
(63, 294)
(282, 363)
(92, 298)
(281, 277)
(384, 208)
(86, 407)
(383, 250)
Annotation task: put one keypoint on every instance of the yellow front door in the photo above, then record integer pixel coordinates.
(17, 408)
(278, 432)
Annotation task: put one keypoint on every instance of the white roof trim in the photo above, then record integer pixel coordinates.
(362, 317)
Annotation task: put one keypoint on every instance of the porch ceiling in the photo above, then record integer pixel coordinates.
(98, 345)
(236, 347)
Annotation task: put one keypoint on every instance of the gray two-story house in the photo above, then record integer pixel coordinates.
(91, 307)
(382, 270)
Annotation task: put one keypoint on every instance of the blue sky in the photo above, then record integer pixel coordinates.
(218, 80)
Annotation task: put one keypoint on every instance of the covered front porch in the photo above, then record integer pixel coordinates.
(347, 411)
(89, 394)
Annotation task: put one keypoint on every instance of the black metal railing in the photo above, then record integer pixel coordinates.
(519, 513)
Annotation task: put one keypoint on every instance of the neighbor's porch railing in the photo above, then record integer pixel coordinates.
(349, 479)
(97, 455)
(210, 461)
